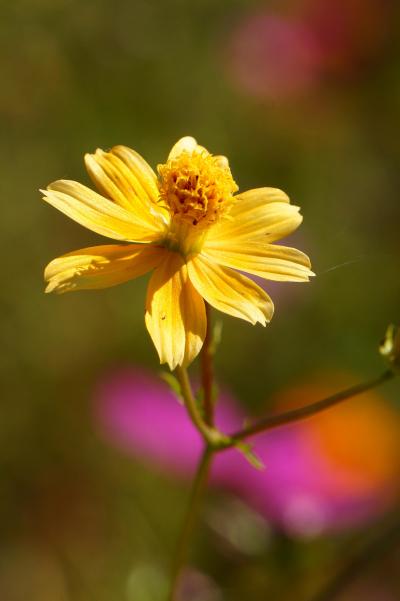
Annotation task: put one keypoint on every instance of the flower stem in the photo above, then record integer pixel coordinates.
(294, 415)
(211, 436)
(199, 483)
(207, 372)
(213, 439)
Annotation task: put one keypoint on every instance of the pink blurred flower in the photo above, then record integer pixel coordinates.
(273, 56)
(139, 413)
(286, 55)
(348, 32)
(334, 471)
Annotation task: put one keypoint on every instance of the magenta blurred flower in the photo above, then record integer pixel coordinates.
(334, 471)
(273, 56)
(140, 414)
(348, 32)
(286, 55)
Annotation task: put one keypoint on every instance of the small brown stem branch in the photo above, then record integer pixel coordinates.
(273, 421)
(207, 372)
(211, 435)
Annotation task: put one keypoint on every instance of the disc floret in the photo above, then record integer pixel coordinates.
(197, 188)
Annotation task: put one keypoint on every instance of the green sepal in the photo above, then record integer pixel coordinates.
(173, 384)
(389, 348)
(216, 336)
(246, 450)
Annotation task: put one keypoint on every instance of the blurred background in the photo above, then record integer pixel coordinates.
(299, 94)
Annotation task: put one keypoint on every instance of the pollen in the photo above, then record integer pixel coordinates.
(197, 188)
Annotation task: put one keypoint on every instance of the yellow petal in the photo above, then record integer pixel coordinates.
(270, 261)
(110, 179)
(98, 213)
(175, 313)
(260, 196)
(116, 181)
(260, 213)
(100, 267)
(140, 169)
(185, 144)
(270, 222)
(229, 291)
(221, 161)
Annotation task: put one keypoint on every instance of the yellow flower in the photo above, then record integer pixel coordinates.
(188, 226)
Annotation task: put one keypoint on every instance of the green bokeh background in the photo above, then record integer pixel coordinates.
(78, 518)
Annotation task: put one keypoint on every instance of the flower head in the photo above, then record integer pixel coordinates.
(196, 187)
(187, 225)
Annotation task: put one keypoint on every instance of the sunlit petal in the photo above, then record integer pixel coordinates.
(175, 313)
(270, 222)
(229, 291)
(117, 181)
(139, 168)
(97, 213)
(100, 267)
(185, 144)
(269, 261)
(256, 197)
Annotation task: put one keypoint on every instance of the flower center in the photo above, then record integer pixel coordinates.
(196, 188)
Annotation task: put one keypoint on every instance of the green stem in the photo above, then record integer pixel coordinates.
(288, 417)
(211, 436)
(219, 441)
(199, 483)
